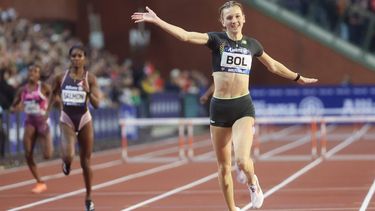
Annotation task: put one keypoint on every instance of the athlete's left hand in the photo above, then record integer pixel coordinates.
(149, 16)
(304, 80)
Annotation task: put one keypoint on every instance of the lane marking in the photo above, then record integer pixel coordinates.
(356, 136)
(60, 175)
(339, 147)
(146, 157)
(103, 185)
(139, 158)
(171, 192)
(108, 152)
(214, 175)
(368, 197)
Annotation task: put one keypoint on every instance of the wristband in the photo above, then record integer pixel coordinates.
(297, 78)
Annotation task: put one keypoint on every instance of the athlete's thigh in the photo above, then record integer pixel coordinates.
(29, 138)
(86, 139)
(243, 130)
(68, 135)
(45, 139)
(221, 140)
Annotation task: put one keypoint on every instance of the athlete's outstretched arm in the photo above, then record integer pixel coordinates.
(279, 69)
(178, 32)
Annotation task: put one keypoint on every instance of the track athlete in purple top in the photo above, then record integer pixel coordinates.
(231, 108)
(32, 98)
(76, 88)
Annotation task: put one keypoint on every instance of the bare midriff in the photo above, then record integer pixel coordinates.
(230, 85)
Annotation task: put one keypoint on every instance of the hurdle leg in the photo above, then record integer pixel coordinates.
(323, 138)
(124, 143)
(181, 140)
(313, 140)
(190, 140)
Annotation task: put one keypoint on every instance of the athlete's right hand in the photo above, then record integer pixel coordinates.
(148, 16)
(203, 99)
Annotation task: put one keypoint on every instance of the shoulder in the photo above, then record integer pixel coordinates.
(60, 76)
(22, 89)
(91, 77)
(255, 46)
(220, 35)
(215, 39)
(45, 86)
(252, 40)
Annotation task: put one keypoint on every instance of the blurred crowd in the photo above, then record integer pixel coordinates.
(23, 42)
(348, 19)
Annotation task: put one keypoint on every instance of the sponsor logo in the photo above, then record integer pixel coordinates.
(69, 87)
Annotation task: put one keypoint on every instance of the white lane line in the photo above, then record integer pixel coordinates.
(171, 192)
(288, 180)
(367, 200)
(298, 142)
(60, 175)
(108, 152)
(281, 133)
(146, 156)
(335, 150)
(48, 163)
(103, 185)
(356, 136)
(349, 140)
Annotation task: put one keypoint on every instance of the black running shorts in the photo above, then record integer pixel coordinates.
(224, 112)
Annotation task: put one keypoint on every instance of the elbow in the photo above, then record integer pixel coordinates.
(183, 38)
(272, 69)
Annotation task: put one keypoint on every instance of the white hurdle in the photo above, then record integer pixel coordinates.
(182, 124)
(318, 130)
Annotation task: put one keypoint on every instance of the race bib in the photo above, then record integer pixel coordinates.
(235, 62)
(73, 97)
(31, 107)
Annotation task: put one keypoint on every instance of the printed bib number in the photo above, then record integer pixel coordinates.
(31, 107)
(73, 97)
(236, 62)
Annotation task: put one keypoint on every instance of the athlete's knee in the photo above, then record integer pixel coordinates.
(243, 163)
(225, 169)
(29, 158)
(85, 162)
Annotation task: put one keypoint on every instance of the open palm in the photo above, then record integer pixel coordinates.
(148, 16)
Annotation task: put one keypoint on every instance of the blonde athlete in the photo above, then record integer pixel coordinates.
(231, 108)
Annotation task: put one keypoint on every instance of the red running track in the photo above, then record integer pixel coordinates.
(291, 179)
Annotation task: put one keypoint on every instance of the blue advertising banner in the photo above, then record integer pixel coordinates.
(322, 100)
(129, 112)
(165, 105)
